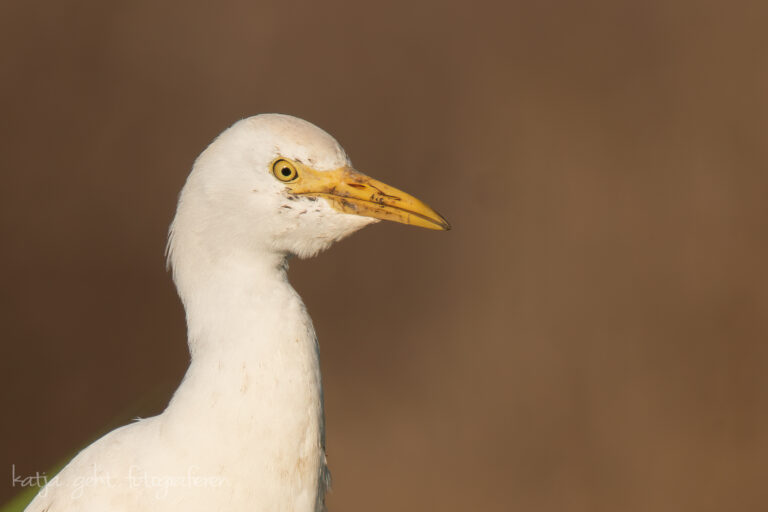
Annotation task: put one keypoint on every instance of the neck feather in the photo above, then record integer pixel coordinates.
(242, 311)
(254, 377)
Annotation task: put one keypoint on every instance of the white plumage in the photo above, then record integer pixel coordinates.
(245, 429)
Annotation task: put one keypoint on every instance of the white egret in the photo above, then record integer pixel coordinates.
(245, 429)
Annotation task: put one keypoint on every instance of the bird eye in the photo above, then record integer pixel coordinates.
(284, 170)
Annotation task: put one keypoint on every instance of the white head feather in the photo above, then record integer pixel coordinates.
(232, 202)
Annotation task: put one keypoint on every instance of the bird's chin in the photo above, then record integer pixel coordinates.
(357, 222)
(307, 247)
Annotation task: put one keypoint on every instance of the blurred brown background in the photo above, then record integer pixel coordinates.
(592, 334)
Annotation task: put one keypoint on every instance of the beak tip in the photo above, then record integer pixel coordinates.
(442, 222)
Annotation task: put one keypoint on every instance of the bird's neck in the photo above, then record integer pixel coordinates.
(253, 384)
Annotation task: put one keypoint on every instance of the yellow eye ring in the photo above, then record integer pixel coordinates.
(284, 170)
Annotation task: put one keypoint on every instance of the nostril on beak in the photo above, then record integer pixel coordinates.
(356, 185)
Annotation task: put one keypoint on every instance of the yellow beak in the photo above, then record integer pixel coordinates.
(350, 191)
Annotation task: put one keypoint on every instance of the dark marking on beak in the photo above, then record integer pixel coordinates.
(383, 194)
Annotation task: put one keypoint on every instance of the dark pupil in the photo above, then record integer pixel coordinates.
(286, 171)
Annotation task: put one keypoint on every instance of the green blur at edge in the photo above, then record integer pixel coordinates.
(19, 502)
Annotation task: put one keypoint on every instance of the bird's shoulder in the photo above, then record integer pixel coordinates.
(97, 468)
